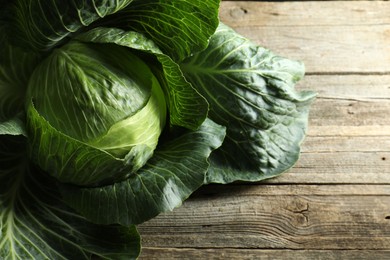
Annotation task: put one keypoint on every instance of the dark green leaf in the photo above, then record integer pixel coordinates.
(176, 170)
(4, 10)
(251, 91)
(179, 27)
(16, 67)
(42, 24)
(36, 224)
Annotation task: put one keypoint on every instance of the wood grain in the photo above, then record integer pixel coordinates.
(329, 36)
(349, 132)
(247, 254)
(335, 202)
(277, 217)
(349, 100)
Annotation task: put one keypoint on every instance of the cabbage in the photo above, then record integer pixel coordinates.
(105, 113)
(112, 112)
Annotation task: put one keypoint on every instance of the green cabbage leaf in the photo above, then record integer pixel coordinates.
(251, 91)
(41, 25)
(112, 112)
(35, 223)
(16, 67)
(176, 170)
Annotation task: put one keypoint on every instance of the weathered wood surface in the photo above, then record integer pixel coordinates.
(335, 202)
(158, 253)
(333, 37)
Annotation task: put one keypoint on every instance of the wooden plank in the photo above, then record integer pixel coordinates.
(262, 189)
(278, 217)
(349, 100)
(341, 159)
(352, 131)
(346, 144)
(331, 13)
(339, 167)
(348, 87)
(330, 37)
(349, 132)
(344, 112)
(246, 254)
(329, 177)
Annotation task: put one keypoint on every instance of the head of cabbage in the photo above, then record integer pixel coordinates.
(99, 110)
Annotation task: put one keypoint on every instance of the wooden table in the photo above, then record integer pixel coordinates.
(335, 203)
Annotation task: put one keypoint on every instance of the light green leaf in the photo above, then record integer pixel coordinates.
(41, 25)
(88, 88)
(176, 170)
(70, 160)
(251, 91)
(36, 224)
(14, 126)
(187, 107)
(179, 27)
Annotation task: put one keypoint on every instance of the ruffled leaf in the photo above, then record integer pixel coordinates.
(251, 92)
(36, 224)
(16, 67)
(179, 27)
(40, 25)
(176, 170)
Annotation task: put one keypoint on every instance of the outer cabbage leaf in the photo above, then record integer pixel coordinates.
(179, 27)
(187, 107)
(42, 24)
(36, 224)
(176, 170)
(251, 91)
(16, 67)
